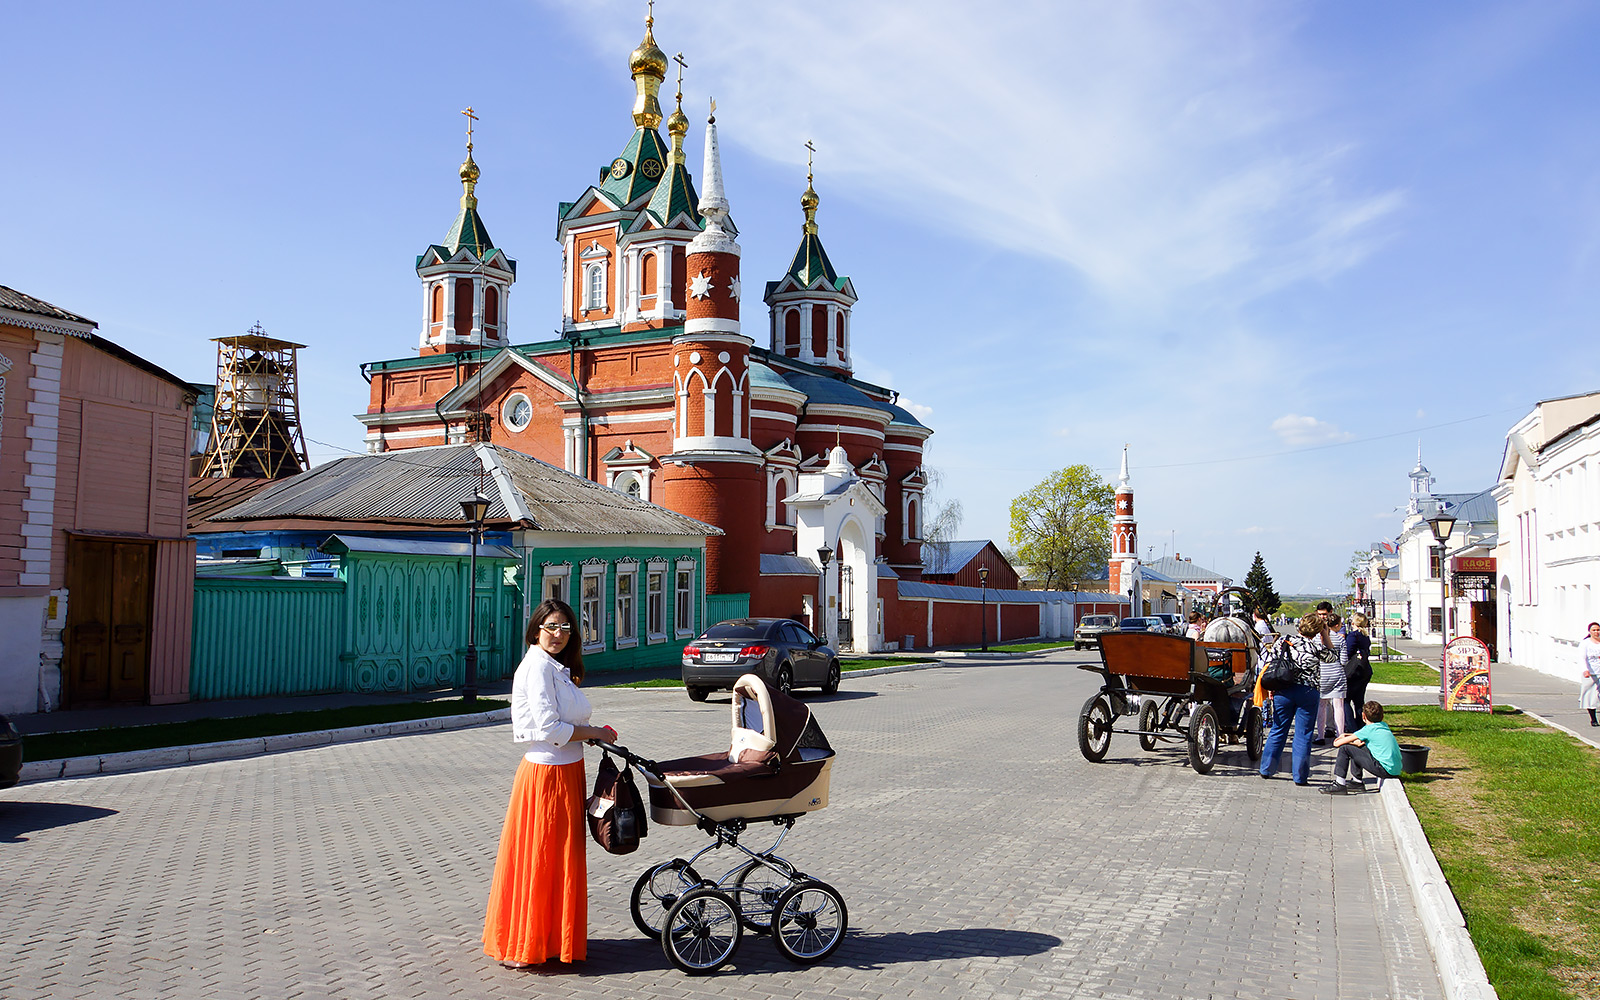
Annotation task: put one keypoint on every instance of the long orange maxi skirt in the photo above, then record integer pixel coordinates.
(538, 902)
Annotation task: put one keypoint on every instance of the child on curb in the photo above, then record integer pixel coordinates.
(1370, 748)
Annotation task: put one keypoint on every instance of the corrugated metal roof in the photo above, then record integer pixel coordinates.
(340, 544)
(22, 302)
(948, 558)
(1183, 570)
(777, 564)
(426, 485)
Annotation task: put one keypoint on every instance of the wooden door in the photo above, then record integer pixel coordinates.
(1484, 626)
(108, 620)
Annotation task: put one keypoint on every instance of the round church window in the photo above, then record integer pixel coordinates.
(517, 414)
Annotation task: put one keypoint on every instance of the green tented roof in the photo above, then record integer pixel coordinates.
(470, 232)
(635, 182)
(811, 262)
(674, 196)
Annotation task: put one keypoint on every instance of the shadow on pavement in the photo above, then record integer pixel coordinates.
(18, 818)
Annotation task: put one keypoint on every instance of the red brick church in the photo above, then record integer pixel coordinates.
(657, 387)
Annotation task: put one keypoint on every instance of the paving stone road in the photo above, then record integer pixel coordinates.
(979, 854)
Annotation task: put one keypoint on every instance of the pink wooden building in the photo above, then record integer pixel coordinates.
(96, 574)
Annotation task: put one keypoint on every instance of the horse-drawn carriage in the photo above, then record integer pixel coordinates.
(1196, 692)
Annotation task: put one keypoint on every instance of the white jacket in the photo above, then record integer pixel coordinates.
(545, 705)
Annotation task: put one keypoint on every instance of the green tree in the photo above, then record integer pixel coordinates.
(1259, 582)
(1061, 528)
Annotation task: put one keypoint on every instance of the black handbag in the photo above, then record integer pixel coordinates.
(616, 810)
(1281, 671)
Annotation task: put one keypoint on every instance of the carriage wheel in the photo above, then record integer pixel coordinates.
(1203, 731)
(756, 887)
(1255, 734)
(702, 931)
(809, 921)
(1094, 729)
(1149, 722)
(656, 892)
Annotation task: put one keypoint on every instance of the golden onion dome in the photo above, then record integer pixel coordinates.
(678, 123)
(469, 170)
(648, 57)
(809, 200)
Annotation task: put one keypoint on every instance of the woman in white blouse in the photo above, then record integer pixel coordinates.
(539, 900)
(1589, 672)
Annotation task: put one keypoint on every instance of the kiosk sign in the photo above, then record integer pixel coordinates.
(1466, 676)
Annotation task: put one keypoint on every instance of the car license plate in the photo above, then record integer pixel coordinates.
(718, 657)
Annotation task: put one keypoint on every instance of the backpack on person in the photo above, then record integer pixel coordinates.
(616, 810)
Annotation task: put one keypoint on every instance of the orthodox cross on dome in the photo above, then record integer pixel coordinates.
(471, 117)
(681, 67)
(809, 150)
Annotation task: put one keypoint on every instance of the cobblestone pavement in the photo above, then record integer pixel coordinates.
(980, 856)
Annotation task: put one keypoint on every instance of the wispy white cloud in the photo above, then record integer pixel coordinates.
(917, 409)
(1298, 431)
(1154, 148)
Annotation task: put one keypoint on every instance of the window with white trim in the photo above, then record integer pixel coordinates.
(517, 413)
(629, 483)
(655, 602)
(683, 618)
(594, 286)
(591, 607)
(555, 583)
(627, 584)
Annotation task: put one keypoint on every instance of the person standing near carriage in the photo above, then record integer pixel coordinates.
(1330, 712)
(1296, 704)
(1358, 668)
(539, 898)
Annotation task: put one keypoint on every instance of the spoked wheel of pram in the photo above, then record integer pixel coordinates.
(809, 921)
(756, 888)
(702, 931)
(658, 890)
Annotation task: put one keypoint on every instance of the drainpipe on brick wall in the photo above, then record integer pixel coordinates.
(583, 414)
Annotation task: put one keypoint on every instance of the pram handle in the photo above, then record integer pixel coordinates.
(642, 763)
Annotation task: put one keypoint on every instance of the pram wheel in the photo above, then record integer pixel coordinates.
(757, 887)
(702, 931)
(809, 921)
(657, 890)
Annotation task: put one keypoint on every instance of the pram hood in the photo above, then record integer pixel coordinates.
(768, 723)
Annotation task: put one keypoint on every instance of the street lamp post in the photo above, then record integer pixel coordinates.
(1383, 607)
(983, 625)
(1442, 524)
(823, 555)
(473, 511)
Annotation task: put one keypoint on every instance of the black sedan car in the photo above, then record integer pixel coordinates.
(10, 753)
(780, 651)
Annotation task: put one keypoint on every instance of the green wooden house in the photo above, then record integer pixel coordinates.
(394, 556)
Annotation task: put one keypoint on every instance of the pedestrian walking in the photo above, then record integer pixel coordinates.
(1589, 683)
(1296, 704)
(1330, 710)
(1262, 626)
(539, 899)
(1358, 665)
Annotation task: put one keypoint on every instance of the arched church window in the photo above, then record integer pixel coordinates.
(491, 309)
(463, 307)
(913, 518)
(438, 305)
(791, 330)
(594, 283)
(629, 483)
(648, 275)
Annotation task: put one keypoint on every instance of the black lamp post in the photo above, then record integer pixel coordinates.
(823, 555)
(1442, 524)
(1381, 569)
(473, 511)
(983, 625)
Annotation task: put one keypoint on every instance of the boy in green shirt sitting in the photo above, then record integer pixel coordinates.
(1370, 748)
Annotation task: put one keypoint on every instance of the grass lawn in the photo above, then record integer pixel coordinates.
(1404, 672)
(1510, 808)
(94, 742)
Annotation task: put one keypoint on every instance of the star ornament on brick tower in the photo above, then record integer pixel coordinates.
(700, 287)
(733, 288)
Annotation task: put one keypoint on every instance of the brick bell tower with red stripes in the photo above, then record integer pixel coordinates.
(714, 472)
(1124, 564)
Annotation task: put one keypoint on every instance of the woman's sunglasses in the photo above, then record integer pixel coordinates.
(553, 628)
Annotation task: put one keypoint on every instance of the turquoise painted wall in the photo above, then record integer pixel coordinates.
(257, 638)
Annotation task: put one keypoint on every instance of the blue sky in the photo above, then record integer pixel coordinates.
(1270, 247)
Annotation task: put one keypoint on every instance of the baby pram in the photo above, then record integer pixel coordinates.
(775, 771)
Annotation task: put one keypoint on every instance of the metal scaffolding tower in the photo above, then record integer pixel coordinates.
(255, 427)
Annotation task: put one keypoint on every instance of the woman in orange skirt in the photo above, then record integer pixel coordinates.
(539, 900)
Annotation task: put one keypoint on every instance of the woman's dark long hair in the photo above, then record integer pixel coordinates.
(571, 655)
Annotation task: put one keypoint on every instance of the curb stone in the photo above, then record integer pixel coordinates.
(148, 760)
(1460, 969)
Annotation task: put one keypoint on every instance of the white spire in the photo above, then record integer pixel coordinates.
(1124, 480)
(713, 202)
